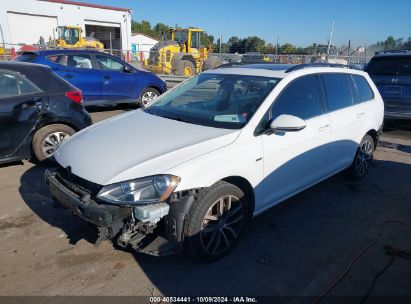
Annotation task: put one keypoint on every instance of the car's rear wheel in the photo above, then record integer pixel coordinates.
(47, 139)
(362, 160)
(215, 221)
(147, 96)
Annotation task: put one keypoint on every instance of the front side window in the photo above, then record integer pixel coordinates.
(337, 91)
(195, 39)
(363, 90)
(301, 98)
(76, 61)
(106, 63)
(215, 100)
(8, 85)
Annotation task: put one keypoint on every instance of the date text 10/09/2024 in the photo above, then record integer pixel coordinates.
(203, 300)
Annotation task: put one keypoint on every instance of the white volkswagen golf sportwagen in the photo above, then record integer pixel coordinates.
(189, 171)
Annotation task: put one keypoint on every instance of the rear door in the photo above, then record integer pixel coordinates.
(118, 85)
(21, 105)
(78, 69)
(347, 120)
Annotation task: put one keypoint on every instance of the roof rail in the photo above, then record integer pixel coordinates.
(393, 52)
(313, 65)
(234, 64)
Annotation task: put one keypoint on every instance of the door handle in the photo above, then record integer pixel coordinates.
(68, 76)
(360, 115)
(324, 128)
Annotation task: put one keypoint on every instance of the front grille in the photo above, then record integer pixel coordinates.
(73, 180)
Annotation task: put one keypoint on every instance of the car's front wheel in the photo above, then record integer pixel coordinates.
(47, 139)
(215, 221)
(147, 96)
(362, 159)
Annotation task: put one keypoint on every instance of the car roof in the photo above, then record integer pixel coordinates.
(14, 65)
(62, 51)
(281, 70)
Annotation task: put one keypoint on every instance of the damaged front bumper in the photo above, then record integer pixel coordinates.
(155, 229)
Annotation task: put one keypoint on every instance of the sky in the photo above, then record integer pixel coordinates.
(298, 22)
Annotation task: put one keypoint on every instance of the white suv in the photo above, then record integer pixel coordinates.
(191, 169)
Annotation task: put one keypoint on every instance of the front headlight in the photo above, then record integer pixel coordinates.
(140, 191)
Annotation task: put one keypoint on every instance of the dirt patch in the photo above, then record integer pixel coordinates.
(72, 260)
(118, 266)
(17, 222)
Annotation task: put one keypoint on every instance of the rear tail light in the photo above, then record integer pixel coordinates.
(75, 96)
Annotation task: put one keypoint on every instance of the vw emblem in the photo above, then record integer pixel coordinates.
(394, 80)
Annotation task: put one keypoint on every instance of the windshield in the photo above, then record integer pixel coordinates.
(69, 35)
(391, 65)
(215, 100)
(181, 36)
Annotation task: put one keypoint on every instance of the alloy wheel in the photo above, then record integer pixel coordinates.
(52, 142)
(148, 97)
(222, 225)
(364, 157)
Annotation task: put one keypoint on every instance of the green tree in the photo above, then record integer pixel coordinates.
(287, 48)
(161, 29)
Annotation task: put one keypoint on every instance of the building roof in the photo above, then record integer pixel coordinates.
(90, 5)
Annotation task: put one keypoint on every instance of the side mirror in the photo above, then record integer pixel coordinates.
(127, 69)
(287, 123)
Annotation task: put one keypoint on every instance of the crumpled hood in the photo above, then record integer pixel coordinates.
(137, 144)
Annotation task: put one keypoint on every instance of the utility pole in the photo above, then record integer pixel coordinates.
(349, 50)
(4, 45)
(329, 41)
(221, 38)
(276, 49)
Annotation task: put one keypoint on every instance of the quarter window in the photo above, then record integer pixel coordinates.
(363, 89)
(302, 98)
(107, 63)
(337, 91)
(26, 87)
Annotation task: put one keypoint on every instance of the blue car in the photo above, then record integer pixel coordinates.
(391, 72)
(103, 78)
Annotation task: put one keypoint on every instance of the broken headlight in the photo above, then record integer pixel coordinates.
(140, 191)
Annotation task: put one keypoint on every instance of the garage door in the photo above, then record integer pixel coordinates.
(104, 32)
(27, 29)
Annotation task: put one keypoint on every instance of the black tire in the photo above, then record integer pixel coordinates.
(181, 66)
(144, 99)
(210, 239)
(211, 63)
(362, 160)
(56, 133)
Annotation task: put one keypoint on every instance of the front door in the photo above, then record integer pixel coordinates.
(296, 160)
(118, 84)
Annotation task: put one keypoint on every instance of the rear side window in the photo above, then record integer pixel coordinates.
(390, 66)
(363, 90)
(8, 85)
(337, 91)
(301, 98)
(76, 61)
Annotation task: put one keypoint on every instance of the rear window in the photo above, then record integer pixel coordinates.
(390, 65)
(337, 91)
(26, 57)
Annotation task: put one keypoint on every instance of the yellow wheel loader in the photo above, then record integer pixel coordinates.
(69, 37)
(183, 55)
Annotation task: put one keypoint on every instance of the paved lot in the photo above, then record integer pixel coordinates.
(297, 248)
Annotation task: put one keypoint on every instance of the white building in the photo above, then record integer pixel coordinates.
(24, 21)
(141, 45)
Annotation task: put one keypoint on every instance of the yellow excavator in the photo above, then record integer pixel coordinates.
(183, 55)
(69, 37)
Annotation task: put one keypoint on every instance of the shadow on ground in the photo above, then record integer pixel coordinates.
(296, 248)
